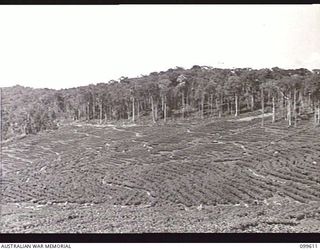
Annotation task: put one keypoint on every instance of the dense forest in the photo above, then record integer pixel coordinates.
(199, 92)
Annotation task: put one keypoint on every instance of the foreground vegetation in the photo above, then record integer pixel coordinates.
(226, 175)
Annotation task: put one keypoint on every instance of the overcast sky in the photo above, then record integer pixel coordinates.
(67, 46)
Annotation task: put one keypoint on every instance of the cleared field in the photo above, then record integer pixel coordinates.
(210, 176)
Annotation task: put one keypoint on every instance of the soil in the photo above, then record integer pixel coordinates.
(191, 176)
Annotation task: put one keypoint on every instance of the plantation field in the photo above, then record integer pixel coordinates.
(189, 176)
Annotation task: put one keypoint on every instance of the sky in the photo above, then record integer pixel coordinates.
(68, 46)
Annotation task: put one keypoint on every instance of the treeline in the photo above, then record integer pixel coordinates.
(175, 93)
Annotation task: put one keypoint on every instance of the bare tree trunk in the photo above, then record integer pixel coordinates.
(309, 100)
(248, 102)
(295, 107)
(315, 116)
(113, 113)
(211, 105)
(128, 110)
(100, 113)
(285, 112)
(202, 106)
(162, 103)
(273, 110)
(93, 108)
(289, 112)
(221, 106)
(156, 111)
(165, 109)
(187, 99)
(302, 102)
(262, 107)
(280, 104)
(182, 101)
(318, 112)
(138, 109)
(236, 105)
(218, 108)
(88, 112)
(152, 108)
(133, 113)
(252, 102)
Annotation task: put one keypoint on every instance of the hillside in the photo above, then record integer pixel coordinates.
(162, 96)
(188, 176)
(197, 150)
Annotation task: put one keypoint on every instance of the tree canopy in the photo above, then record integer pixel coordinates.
(200, 91)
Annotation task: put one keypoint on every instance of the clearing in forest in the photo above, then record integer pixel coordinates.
(209, 176)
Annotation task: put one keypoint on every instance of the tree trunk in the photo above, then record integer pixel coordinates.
(248, 102)
(252, 102)
(128, 110)
(315, 116)
(165, 109)
(262, 107)
(218, 108)
(273, 110)
(295, 107)
(211, 105)
(162, 103)
(285, 108)
(138, 109)
(188, 99)
(152, 109)
(182, 101)
(156, 110)
(302, 103)
(318, 112)
(202, 106)
(236, 105)
(221, 106)
(88, 112)
(289, 112)
(309, 100)
(100, 115)
(93, 108)
(133, 109)
(112, 113)
(280, 104)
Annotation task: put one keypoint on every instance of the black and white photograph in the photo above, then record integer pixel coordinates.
(160, 119)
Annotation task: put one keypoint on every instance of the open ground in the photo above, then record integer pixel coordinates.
(211, 176)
